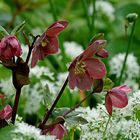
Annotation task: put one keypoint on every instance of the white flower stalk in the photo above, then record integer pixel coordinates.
(132, 69)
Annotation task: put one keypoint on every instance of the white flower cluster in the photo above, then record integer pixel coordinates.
(104, 7)
(132, 69)
(124, 123)
(24, 131)
(72, 49)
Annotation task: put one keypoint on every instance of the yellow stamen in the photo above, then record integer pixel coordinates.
(43, 43)
(80, 67)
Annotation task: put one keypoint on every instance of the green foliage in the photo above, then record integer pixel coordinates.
(6, 132)
(3, 32)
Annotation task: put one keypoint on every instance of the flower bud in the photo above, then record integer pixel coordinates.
(131, 17)
(9, 47)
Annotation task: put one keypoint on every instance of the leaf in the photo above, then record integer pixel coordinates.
(6, 101)
(3, 32)
(76, 120)
(108, 84)
(6, 132)
(18, 28)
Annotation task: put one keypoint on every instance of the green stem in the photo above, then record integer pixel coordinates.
(93, 17)
(106, 126)
(54, 104)
(53, 9)
(85, 7)
(73, 108)
(127, 52)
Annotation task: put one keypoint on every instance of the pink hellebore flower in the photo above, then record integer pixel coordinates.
(57, 130)
(117, 97)
(48, 42)
(6, 113)
(84, 69)
(9, 47)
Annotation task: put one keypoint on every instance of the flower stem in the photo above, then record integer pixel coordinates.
(93, 17)
(85, 7)
(53, 9)
(54, 104)
(73, 108)
(127, 52)
(18, 91)
(106, 126)
(30, 49)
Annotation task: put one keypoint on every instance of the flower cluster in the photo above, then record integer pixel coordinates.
(124, 123)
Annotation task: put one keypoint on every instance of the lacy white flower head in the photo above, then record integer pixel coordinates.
(24, 131)
(72, 49)
(132, 68)
(38, 71)
(105, 7)
(124, 123)
(7, 90)
(33, 97)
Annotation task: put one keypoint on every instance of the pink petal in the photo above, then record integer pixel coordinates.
(37, 54)
(93, 49)
(52, 46)
(95, 68)
(108, 104)
(102, 53)
(56, 28)
(6, 113)
(83, 81)
(124, 88)
(59, 131)
(72, 78)
(119, 98)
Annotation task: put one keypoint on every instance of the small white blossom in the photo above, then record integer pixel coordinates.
(72, 49)
(104, 7)
(24, 131)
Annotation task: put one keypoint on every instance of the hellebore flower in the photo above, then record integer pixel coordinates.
(117, 97)
(84, 69)
(57, 130)
(47, 43)
(9, 47)
(6, 113)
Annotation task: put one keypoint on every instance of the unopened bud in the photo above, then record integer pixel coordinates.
(131, 17)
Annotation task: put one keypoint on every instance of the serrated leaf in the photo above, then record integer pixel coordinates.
(108, 84)
(3, 32)
(18, 28)
(6, 101)
(76, 120)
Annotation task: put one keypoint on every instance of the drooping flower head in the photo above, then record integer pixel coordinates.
(84, 69)
(9, 47)
(47, 43)
(117, 97)
(57, 130)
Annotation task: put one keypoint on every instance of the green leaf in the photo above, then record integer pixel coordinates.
(3, 32)
(5, 133)
(108, 84)
(18, 28)
(76, 120)
(6, 101)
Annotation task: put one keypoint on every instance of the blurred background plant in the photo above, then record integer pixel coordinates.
(86, 18)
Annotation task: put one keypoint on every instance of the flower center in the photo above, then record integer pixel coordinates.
(44, 43)
(80, 67)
